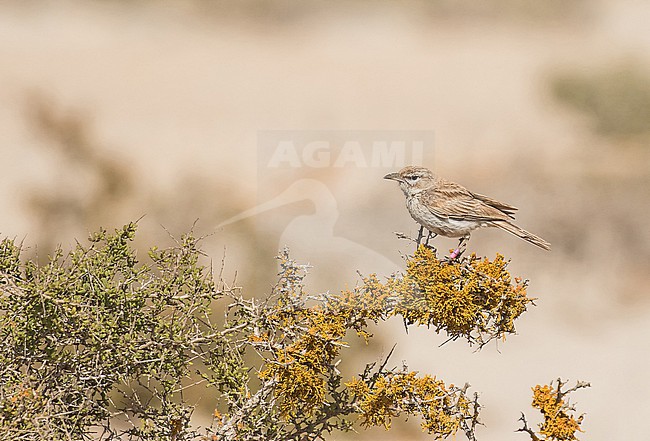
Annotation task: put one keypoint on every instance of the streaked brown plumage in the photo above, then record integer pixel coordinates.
(449, 209)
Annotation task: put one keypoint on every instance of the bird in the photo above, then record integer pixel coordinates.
(449, 209)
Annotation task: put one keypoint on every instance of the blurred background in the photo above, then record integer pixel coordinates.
(111, 110)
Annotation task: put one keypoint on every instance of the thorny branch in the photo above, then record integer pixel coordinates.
(100, 346)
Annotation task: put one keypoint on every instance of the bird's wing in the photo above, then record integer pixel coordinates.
(450, 200)
(506, 208)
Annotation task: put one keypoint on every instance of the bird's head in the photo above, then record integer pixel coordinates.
(412, 179)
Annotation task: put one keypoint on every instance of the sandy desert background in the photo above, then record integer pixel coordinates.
(111, 110)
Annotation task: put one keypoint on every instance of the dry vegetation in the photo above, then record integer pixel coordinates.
(594, 195)
(97, 345)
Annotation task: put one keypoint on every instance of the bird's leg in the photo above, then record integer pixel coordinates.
(462, 245)
(430, 236)
(420, 234)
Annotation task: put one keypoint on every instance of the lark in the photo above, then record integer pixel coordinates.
(451, 210)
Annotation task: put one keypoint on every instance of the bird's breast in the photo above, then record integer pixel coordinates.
(444, 226)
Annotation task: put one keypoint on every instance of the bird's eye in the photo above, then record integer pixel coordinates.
(412, 178)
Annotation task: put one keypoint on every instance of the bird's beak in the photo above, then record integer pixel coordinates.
(393, 176)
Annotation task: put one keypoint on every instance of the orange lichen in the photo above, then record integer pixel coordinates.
(559, 424)
(442, 407)
(300, 368)
(472, 297)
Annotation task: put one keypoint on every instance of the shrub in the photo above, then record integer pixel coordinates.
(99, 345)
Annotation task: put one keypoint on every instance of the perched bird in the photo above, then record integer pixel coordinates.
(449, 209)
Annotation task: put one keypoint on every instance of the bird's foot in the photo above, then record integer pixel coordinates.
(458, 252)
(430, 236)
(431, 247)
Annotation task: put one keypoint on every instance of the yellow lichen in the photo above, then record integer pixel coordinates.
(299, 369)
(558, 424)
(472, 297)
(442, 408)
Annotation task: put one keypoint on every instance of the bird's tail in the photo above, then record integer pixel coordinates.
(525, 235)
